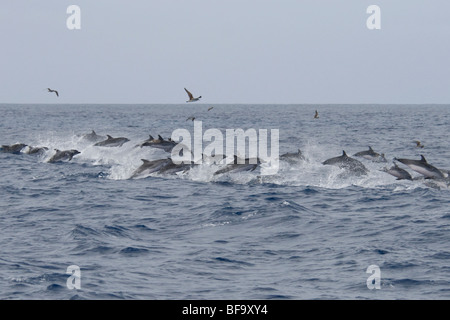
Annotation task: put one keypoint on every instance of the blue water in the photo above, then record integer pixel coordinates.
(306, 233)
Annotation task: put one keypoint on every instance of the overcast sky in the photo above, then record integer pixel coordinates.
(227, 51)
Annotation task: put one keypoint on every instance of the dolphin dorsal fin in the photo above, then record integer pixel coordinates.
(93, 132)
(145, 161)
(109, 137)
(151, 138)
(422, 158)
(160, 138)
(370, 148)
(344, 154)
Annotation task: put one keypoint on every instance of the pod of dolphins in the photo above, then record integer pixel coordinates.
(350, 165)
(421, 166)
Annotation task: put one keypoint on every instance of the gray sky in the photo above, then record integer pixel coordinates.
(227, 51)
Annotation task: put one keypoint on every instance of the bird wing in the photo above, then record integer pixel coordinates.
(51, 90)
(189, 94)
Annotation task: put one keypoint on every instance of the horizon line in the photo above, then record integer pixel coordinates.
(222, 103)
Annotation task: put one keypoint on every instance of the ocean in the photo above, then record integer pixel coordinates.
(306, 232)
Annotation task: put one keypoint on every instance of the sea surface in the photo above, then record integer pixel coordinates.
(307, 232)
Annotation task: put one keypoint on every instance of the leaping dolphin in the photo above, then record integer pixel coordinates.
(292, 157)
(423, 167)
(398, 172)
(160, 143)
(112, 142)
(14, 148)
(93, 137)
(172, 168)
(36, 150)
(65, 155)
(371, 155)
(345, 162)
(149, 167)
(239, 164)
(147, 142)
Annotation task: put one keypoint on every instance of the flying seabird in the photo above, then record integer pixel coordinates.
(191, 97)
(419, 144)
(316, 116)
(51, 90)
